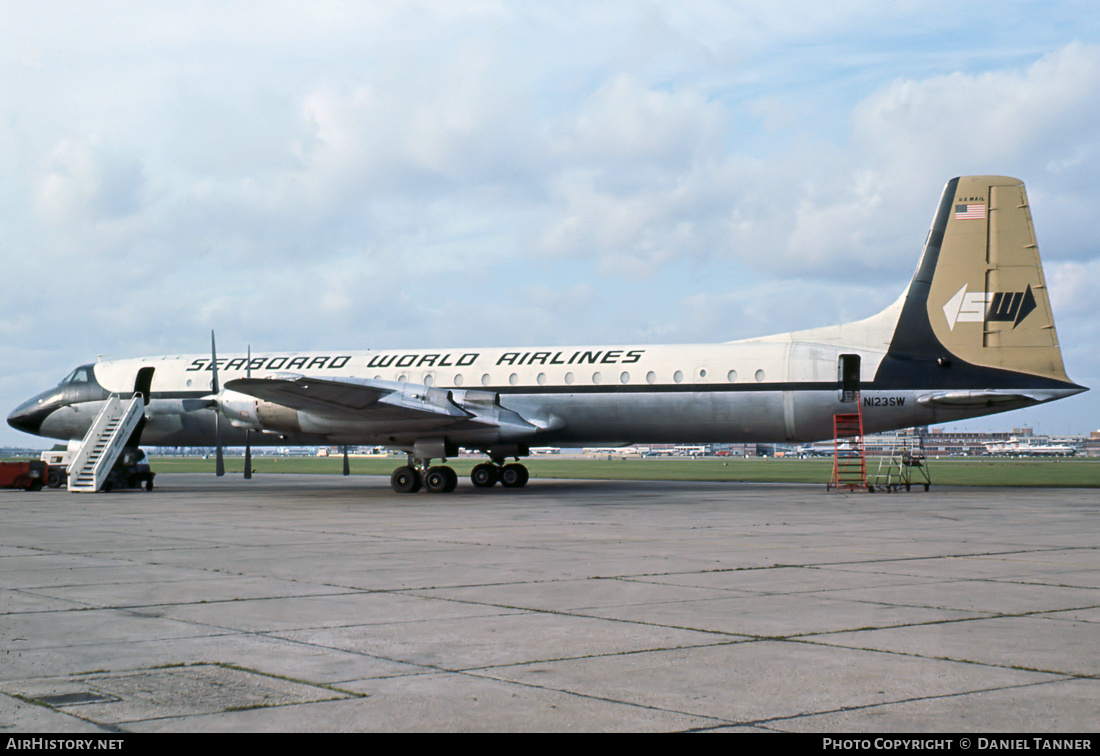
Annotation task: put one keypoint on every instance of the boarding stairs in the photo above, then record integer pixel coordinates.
(849, 452)
(104, 442)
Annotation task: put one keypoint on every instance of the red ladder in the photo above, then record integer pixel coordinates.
(850, 462)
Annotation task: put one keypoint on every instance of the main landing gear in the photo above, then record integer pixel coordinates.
(486, 475)
(410, 479)
(442, 479)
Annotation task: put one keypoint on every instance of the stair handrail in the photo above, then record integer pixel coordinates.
(76, 464)
(114, 448)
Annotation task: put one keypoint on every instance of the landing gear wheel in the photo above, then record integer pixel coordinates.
(485, 475)
(514, 476)
(440, 479)
(405, 480)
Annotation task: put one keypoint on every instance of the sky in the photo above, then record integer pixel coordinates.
(344, 175)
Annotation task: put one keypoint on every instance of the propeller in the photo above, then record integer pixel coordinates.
(220, 467)
(247, 432)
(215, 402)
(347, 467)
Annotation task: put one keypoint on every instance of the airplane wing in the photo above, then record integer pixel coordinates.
(351, 399)
(376, 400)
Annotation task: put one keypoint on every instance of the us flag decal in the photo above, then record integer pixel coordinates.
(970, 212)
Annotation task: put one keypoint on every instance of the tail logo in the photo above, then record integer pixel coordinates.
(987, 306)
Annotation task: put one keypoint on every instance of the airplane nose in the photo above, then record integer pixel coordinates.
(21, 422)
(28, 417)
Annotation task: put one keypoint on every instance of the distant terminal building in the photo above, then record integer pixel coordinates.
(937, 442)
(1021, 442)
(940, 443)
(740, 450)
(704, 450)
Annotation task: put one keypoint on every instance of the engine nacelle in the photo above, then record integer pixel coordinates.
(240, 410)
(277, 418)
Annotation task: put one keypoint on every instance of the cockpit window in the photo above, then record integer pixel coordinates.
(80, 375)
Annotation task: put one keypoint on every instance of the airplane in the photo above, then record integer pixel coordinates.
(1015, 447)
(973, 334)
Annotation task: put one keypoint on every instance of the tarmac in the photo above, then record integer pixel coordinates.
(330, 604)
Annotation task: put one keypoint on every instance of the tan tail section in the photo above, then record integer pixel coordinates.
(988, 301)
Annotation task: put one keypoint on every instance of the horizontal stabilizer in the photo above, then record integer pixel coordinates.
(985, 398)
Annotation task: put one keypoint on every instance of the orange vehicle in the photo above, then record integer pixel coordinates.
(30, 475)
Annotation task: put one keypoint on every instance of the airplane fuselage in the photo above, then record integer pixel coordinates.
(766, 391)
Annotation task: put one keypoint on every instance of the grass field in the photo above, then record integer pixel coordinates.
(994, 471)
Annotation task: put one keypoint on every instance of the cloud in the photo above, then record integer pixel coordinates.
(640, 177)
(845, 205)
(85, 181)
(1073, 287)
(649, 177)
(627, 125)
(1025, 117)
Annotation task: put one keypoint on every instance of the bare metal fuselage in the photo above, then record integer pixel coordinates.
(777, 390)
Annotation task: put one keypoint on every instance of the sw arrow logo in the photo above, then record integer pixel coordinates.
(993, 307)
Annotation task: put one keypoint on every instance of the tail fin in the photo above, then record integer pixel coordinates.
(977, 313)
